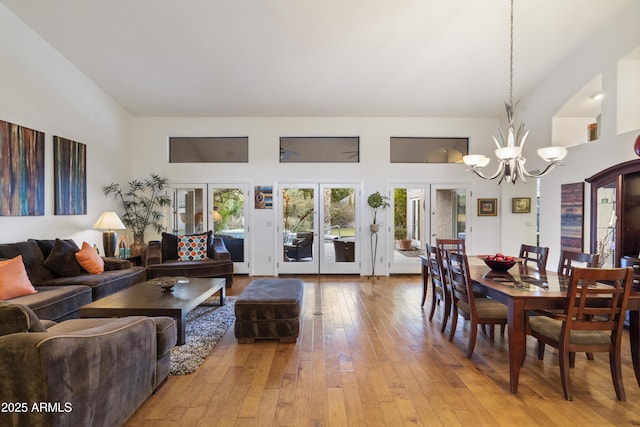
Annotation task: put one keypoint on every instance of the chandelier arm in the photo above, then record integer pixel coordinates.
(498, 172)
(522, 171)
(545, 171)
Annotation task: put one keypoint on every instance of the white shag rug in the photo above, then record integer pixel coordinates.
(206, 324)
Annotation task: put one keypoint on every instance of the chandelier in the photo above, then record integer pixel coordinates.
(510, 144)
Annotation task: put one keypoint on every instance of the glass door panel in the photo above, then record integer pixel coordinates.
(228, 214)
(188, 207)
(339, 248)
(298, 229)
(606, 224)
(408, 228)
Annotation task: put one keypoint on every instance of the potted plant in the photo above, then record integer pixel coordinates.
(377, 201)
(404, 243)
(141, 203)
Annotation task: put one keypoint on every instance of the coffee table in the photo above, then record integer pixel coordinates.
(145, 299)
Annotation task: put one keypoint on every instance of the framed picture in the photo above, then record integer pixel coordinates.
(572, 216)
(521, 205)
(487, 207)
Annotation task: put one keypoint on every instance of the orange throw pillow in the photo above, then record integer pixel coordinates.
(89, 259)
(14, 281)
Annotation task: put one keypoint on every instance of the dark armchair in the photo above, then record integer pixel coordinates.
(99, 371)
(301, 246)
(162, 260)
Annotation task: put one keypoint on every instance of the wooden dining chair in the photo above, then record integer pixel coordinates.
(479, 311)
(587, 324)
(568, 258)
(439, 290)
(449, 245)
(535, 254)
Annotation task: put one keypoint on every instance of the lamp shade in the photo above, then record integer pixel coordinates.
(508, 153)
(109, 221)
(554, 153)
(476, 160)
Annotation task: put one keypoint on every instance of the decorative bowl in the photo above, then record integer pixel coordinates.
(167, 283)
(499, 265)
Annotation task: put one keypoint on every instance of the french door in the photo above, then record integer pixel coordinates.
(319, 229)
(223, 208)
(420, 213)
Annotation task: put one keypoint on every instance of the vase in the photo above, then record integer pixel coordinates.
(139, 247)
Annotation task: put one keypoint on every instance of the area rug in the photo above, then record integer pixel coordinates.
(206, 324)
(411, 253)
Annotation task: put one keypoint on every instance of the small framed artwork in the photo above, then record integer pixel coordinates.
(487, 207)
(521, 205)
(264, 197)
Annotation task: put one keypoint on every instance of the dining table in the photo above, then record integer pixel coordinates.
(522, 289)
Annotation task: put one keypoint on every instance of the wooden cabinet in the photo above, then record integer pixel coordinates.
(628, 261)
(615, 212)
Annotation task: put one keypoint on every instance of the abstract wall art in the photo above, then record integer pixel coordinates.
(572, 216)
(70, 176)
(21, 170)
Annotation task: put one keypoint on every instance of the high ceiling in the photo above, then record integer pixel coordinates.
(438, 58)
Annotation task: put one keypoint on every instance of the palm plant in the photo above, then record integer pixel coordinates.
(141, 202)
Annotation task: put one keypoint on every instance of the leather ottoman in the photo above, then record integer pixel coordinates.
(269, 309)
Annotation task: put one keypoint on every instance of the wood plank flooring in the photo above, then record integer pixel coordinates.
(368, 356)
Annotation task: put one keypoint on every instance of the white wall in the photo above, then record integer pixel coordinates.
(599, 55)
(43, 91)
(374, 170)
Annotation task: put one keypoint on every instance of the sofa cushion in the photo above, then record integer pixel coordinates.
(31, 257)
(62, 260)
(103, 284)
(193, 247)
(16, 318)
(14, 281)
(170, 245)
(89, 259)
(203, 268)
(56, 303)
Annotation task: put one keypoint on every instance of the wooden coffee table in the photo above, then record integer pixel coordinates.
(145, 299)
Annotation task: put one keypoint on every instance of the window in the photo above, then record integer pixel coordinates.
(428, 150)
(319, 149)
(209, 149)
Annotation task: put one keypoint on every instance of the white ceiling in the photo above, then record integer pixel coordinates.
(438, 58)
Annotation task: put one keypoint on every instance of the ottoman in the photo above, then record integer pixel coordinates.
(269, 309)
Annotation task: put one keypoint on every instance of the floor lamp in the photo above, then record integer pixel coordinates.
(108, 222)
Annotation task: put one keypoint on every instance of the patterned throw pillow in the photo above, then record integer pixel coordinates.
(192, 248)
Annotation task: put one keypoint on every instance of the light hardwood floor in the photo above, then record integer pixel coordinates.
(368, 356)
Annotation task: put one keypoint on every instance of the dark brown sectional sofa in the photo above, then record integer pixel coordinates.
(62, 290)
